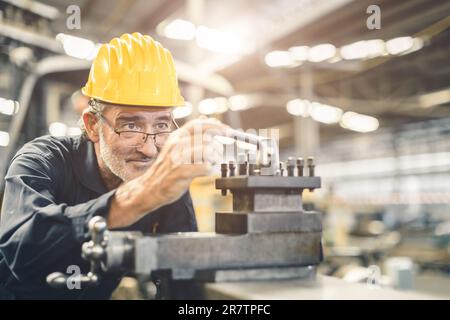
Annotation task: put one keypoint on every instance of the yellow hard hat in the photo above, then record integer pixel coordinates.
(134, 70)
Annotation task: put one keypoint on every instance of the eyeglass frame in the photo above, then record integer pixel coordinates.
(93, 103)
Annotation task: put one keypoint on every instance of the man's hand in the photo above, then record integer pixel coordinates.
(188, 153)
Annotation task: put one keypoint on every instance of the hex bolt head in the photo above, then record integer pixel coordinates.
(290, 165)
(242, 164)
(224, 169)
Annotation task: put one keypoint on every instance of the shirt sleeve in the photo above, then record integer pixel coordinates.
(35, 230)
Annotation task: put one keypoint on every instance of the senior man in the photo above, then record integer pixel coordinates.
(124, 167)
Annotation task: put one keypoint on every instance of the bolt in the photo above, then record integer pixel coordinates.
(251, 159)
(232, 167)
(242, 164)
(281, 168)
(290, 165)
(300, 165)
(224, 171)
(311, 165)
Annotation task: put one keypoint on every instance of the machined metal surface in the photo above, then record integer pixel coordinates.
(242, 223)
(263, 200)
(257, 274)
(186, 253)
(268, 182)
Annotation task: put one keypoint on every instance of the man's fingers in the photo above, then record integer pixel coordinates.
(191, 171)
(195, 149)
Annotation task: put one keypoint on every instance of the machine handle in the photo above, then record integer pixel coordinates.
(93, 251)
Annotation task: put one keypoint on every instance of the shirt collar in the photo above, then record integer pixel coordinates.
(86, 165)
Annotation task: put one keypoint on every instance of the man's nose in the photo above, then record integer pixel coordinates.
(149, 148)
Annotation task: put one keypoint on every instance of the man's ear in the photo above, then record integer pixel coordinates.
(91, 124)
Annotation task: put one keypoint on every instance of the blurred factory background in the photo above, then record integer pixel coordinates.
(370, 102)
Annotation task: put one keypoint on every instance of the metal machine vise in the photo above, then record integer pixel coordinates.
(267, 235)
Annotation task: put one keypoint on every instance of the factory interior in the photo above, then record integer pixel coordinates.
(356, 94)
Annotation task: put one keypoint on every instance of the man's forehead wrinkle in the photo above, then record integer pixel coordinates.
(130, 116)
(143, 114)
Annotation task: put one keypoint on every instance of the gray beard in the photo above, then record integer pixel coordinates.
(115, 165)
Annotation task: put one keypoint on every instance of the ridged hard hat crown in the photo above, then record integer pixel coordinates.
(134, 70)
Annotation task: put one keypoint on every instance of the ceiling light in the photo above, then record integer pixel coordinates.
(207, 106)
(77, 47)
(57, 129)
(222, 104)
(298, 107)
(238, 102)
(300, 53)
(399, 45)
(363, 49)
(279, 58)
(180, 30)
(357, 50)
(182, 111)
(359, 122)
(321, 52)
(219, 41)
(4, 138)
(375, 48)
(324, 113)
(8, 107)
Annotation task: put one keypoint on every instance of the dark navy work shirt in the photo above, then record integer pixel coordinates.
(52, 188)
